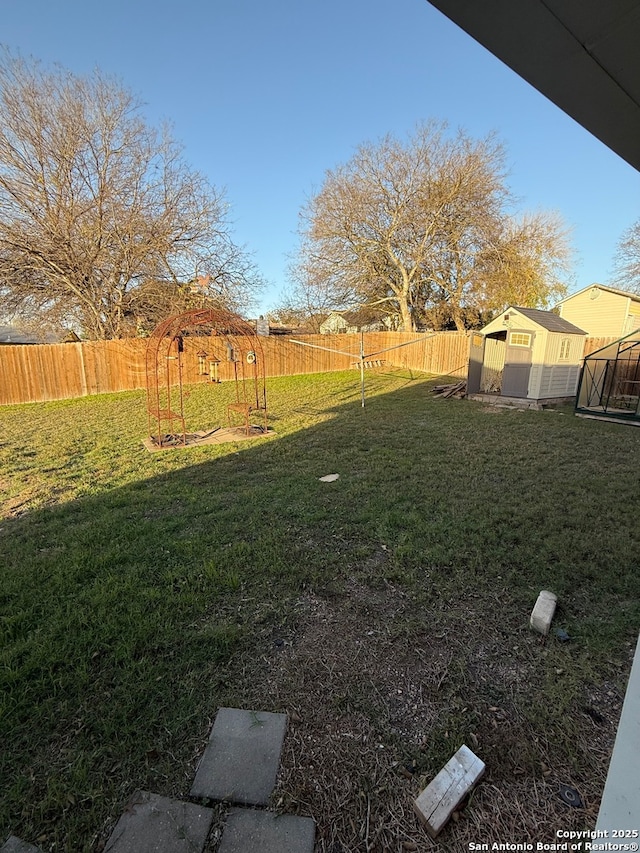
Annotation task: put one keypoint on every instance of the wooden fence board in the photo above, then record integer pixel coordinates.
(36, 373)
(592, 344)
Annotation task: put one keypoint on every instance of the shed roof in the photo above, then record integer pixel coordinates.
(544, 319)
(550, 321)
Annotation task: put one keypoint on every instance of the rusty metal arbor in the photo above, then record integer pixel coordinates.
(212, 343)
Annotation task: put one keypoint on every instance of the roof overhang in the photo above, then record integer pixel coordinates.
(583, 55)
(626, 294)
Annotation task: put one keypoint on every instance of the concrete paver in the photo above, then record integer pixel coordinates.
(443, 795)
(153, 824)
(543, 612)
(240, 763)
(15, 845)
(267, 832)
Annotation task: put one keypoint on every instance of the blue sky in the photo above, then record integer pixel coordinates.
(266, 96)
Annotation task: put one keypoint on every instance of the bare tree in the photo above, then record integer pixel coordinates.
(520, 261)
(627, 260)
(426, 225)
(95, 205)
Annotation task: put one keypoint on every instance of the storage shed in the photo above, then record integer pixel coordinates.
(525, 354)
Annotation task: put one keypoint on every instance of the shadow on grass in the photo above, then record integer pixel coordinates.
(125, 614)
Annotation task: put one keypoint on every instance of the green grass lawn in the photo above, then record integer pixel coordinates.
(141, 591)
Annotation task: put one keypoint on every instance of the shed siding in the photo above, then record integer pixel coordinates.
(539, 345)
(537, 361)
(552, 377)
(554, 345)
(557, 380)
(535, 378)
(604, 316)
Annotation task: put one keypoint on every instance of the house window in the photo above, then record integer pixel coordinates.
(519, 339)
(565, 346)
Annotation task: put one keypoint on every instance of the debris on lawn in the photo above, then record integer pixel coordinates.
(217, 435)
(457, 390)
(329, 478)
(351, 647)
(562, 635)
(543, 611)
(570, 796)
(443, 795)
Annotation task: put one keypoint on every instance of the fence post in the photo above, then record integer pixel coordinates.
(83, 370)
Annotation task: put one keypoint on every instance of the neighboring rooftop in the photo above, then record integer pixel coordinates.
(13, 335)
(635, 297)
(10, 334)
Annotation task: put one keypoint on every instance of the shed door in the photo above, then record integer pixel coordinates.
(517, 363)
(476, 357)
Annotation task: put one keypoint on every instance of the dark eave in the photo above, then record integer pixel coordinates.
(584, 55)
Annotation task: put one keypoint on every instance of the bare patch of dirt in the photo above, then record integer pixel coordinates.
(17, 505)
(381, 691)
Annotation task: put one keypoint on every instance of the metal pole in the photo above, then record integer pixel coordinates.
(184, 429)
(362, 353)
(362, 367)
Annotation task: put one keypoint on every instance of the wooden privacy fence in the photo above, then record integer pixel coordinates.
(439, 353)
(592, 344)
(30, 374)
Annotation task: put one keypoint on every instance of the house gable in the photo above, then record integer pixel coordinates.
(350, 322)
(602, 311)
(530, 318)
(335, 322)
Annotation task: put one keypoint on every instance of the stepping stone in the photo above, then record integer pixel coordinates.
(267, 832)
(241, 760)
(14, 845)
(153, 824)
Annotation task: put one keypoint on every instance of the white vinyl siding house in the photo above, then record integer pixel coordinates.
(334, 324)
(350, 322)
(602, 311)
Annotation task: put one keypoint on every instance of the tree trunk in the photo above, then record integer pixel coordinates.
(405, 313)
(456, 316)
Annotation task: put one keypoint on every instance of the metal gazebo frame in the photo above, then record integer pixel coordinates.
(233, 338)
